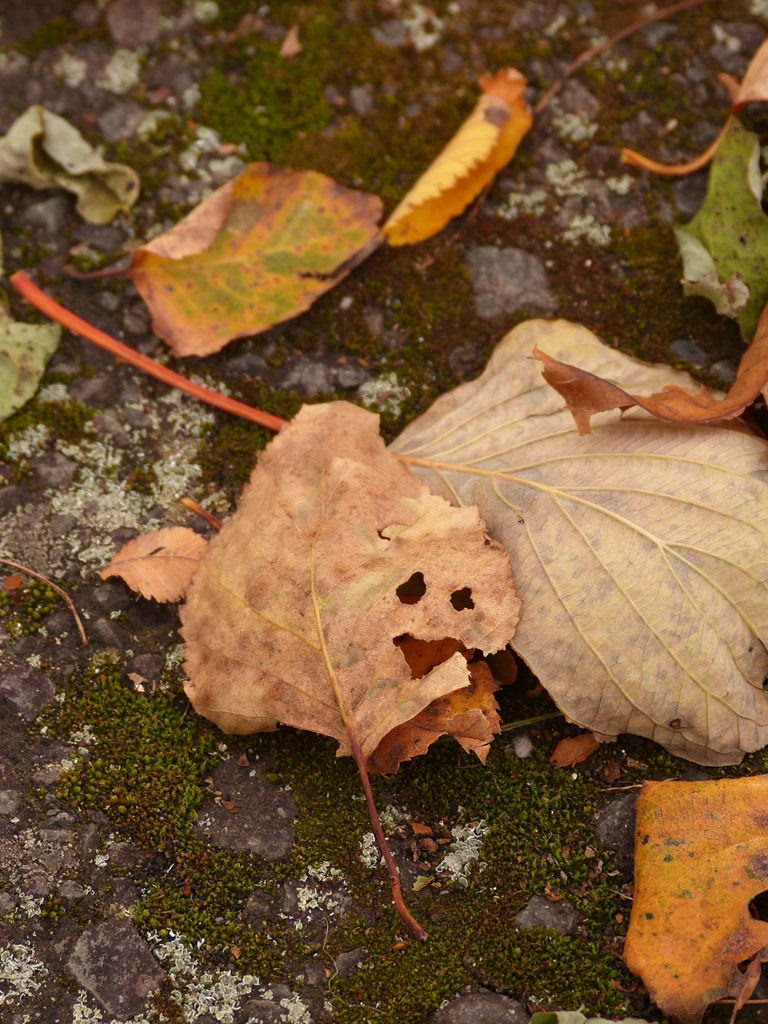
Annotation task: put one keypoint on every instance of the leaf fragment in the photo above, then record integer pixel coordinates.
(24, 353)
(701, 855)
(160, 564)
(258, 251)
(640, 550)
(484, 144)
(43, 150)
(291, 45)
(572, 750)
(754, 85)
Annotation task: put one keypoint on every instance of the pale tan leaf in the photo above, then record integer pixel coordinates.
(291, 45)
(640, 550)
(294, 613)
(754, 85)
(160, 564)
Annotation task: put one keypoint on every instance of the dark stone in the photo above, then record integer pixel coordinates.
(655, 34)
(575, 98)
(265, 1011)
(349, 963)
(11, 497)
(690, 192)
(148, 666)
(506, 280)
(89, 841)
(259, 908)
(121, 121)
(53, 469)
(94, 391)
(106, 422)
(124, 892)
(125, 855)
(615, 828)
(136, 418)
(390, 33)
(540, 913)
(465, 359)
(104, 237)
(115, 965)
(351, 376)
(9, 801)
(52, 215)
(60, 525)
(60, 622)
(27, 689)
(134, 22)
(482, 1008)
(86, 15)
(259, 827)
(244, 367)
(70, 890)
(136, 320)
(172, 72)
(309, 376)
(689, 352)
(750, 35)
(111, 597)
(103, 632)
(361, 99)
(724, 371)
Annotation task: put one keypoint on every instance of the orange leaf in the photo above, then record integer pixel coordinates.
(701, 855)
(13, 582)
(160, 564)
(291, 47)
(754, 85)
(586, 394)
(482, 146)
(420, 830)
(258, 251)
(574, 749)
(470, 715)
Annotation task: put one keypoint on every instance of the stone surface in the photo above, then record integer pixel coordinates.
(265, 1011)
(134, 22)
(27, 689)
(52, 469)
(540, 913)
(96, 391)
(575, 98)
(482, 1008)
(115, 965)
(121, 121)
(9, 801)
(265, 822)
(506, 280)
(309, 376)
(690, 192)
(361, 99)
(689, 352)
(615, 828)
(111, 597)
(52, 215)
(245, 367)
(349, 963)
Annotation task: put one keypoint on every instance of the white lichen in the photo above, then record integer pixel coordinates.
(151, 122)
(369, 850)
(83, 737)
(555, 25)
(392, 818)
(323, 872)
(32, 905)
(620, 186)
(584, 226)
(20, 973)
(530, 204)
(72, 70)
(384, 394)
(54, 393)
(759, 8)
(121, 72)
(206, 141)
(573, 127)
(566, 178)
(205, 11)
(27, 443)
(190, 97)
(465, 849)
(423, 27)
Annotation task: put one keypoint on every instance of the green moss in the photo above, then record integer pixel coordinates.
(25, 609)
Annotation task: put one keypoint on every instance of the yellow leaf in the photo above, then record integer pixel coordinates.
(482, 146)
(701, 855)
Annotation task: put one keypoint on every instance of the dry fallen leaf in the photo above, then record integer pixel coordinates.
(24, 353)
(291, 47)
(160, 564)
(586, 394)
(572, 750)
(43, 150)
(258, 251)
(640, 551)
(754, 85)
(294, 613)
(701, 855)
(483, 145)
(469, 715)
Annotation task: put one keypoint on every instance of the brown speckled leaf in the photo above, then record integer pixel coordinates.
(294, 613)
(258, 251)
(640, 550)
(160, 564)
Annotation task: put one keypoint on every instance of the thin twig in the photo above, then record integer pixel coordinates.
(209, 517)
(607, 44)
(635, 159)
(525, 722)
(53, 586)
(73, 323)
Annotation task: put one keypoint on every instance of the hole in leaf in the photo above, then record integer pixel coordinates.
(503, 666)
(412, 591)
(462, 599)
(423, 655)
(758, 906)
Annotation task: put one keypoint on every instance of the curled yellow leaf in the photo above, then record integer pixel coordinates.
(482, 146)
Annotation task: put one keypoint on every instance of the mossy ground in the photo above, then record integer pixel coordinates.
(148, 769)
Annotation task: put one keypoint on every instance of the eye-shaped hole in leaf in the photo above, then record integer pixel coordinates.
(758, 906)
(412, 591)
(462, 599)
(423, 655)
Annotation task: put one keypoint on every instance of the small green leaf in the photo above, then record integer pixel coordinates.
(732, 231)
(24, 351)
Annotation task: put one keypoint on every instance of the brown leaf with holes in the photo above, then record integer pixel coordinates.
(160, 564)
(470, 715)
(586, 394)
(294, 614)
(701, 856)
(574, 749)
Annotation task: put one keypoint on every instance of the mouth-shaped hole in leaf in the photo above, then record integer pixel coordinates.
(412, 591)
(758, 906)
(423, 655)
(462, 599)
